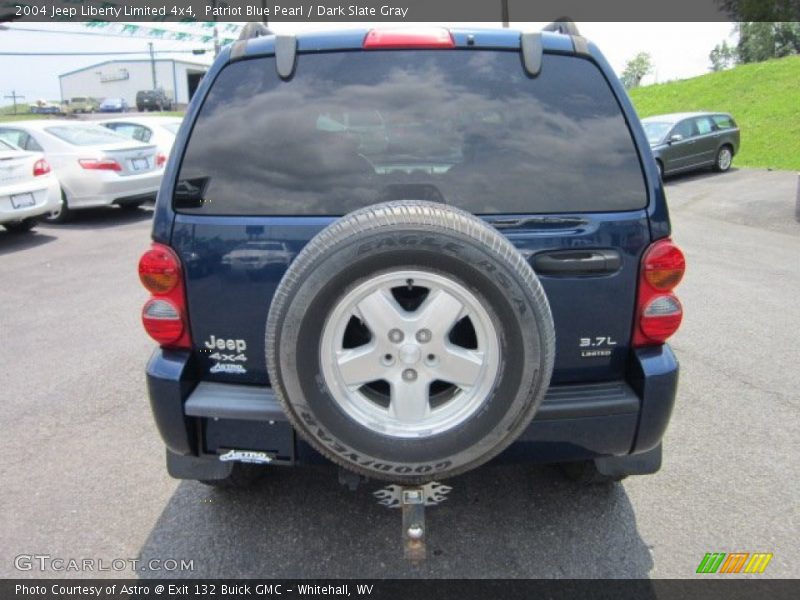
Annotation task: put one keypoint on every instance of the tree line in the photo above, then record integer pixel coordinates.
(758, 41)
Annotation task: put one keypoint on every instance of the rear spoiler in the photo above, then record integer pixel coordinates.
(531, 44)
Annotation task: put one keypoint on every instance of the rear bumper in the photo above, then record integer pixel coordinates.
(575, 422)
(46, 194)
(137, 199)
(106, 188)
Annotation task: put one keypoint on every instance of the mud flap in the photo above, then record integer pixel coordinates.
(644, 463)
(199, 469)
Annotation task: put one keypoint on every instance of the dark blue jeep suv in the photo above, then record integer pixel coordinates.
(408, 252)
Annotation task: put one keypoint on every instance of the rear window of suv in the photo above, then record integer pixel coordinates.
(466, 128)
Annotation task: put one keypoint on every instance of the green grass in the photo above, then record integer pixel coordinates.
(23, 114)
(764, 98)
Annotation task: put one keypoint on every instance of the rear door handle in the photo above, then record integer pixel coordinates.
(577, 262)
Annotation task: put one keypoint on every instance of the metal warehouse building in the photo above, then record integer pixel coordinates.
(123, 78)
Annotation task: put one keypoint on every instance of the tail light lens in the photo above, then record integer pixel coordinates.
(164, 316)
(159, 269)
(658, 311)
(664, 265)
(161, 159)
(40, 167)
(103, 164)
(427, 37)
(162, 321)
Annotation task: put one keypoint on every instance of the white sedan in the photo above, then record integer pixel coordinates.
(28, 188)
(94, 166)
(160, 131)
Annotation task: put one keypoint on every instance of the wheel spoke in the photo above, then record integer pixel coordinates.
(439, 313)
(380, 312)
(409, 400)
(459, 366)
(408, 351)
(360, 365)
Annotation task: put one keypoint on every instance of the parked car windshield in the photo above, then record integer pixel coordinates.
(655, 131)
(6, 146)
(470, 129)
(85, 135)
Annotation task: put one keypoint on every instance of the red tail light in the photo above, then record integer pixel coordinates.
(162, 321)
(164, 316)
(40, 167)
(161, 160)
(664, 265)
(428, 37)
(105, 164)
(658, 310)
(160, 269)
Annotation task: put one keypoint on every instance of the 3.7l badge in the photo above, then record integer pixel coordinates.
(593, 347)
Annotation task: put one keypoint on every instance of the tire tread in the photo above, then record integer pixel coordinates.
(409, 213)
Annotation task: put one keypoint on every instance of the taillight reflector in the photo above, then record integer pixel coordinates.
(105, 164)
(161, 159)
(658, 312)
(40, 167)
(428, 37)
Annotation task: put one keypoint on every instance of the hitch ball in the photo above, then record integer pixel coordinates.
(415, 532)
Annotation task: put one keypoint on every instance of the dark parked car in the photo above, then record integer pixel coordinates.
(153, 100)
(688, 141)
(443, 286)
(110, 105)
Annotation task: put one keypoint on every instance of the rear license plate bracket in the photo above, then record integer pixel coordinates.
(22, 201)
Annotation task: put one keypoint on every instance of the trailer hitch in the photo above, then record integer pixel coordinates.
(412, 501)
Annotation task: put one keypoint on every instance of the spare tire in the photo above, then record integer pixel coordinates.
(410, 341)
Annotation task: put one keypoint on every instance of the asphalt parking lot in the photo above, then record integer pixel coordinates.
(83, 475)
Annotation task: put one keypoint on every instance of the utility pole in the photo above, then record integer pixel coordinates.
(14, 97)
(504, 11)
(216, 33)
(153, 64)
